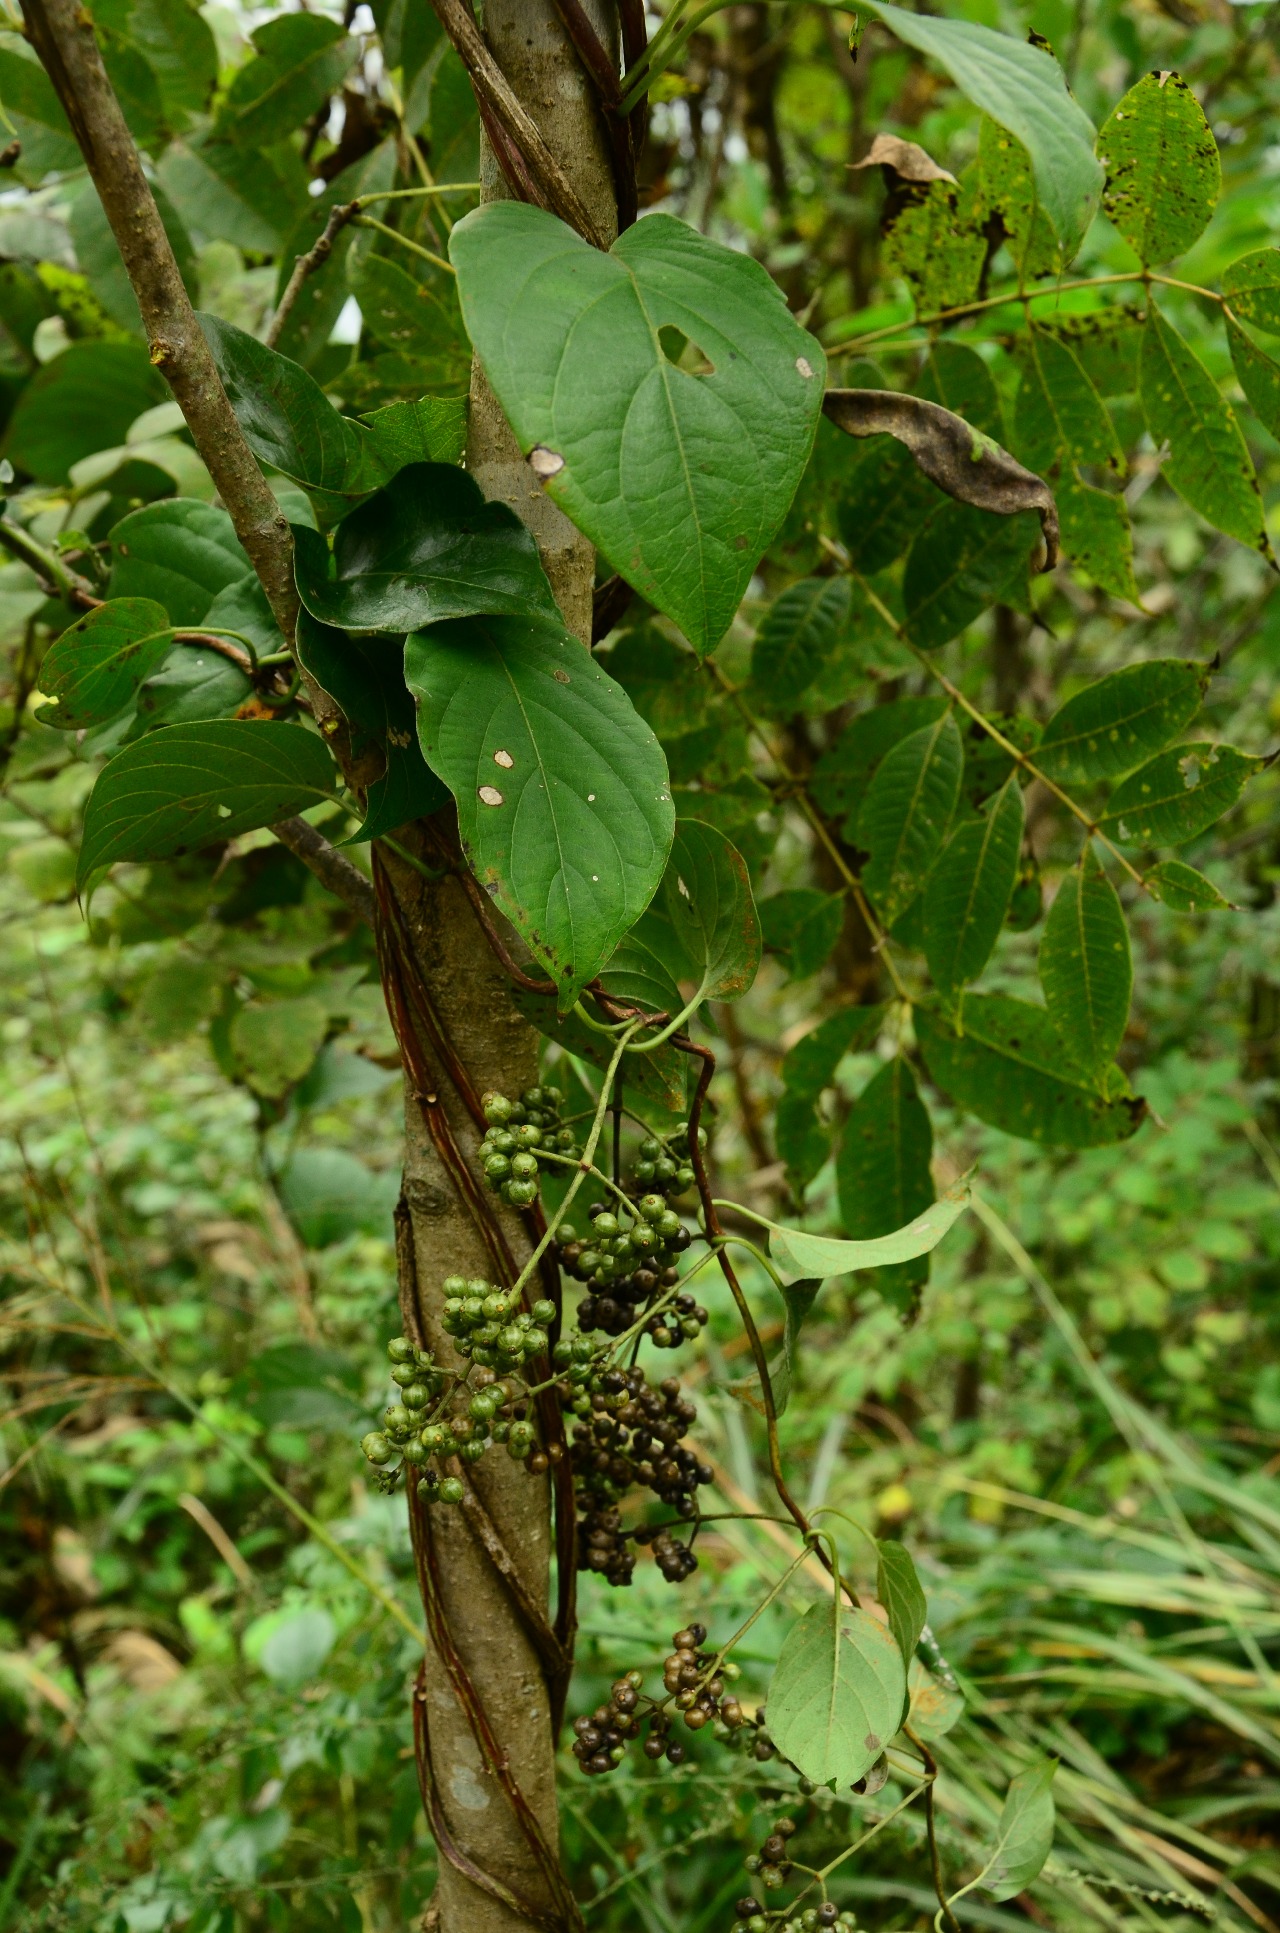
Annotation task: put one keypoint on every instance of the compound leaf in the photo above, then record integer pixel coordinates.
(905, 814)
(1209, 462)
(1182, 887)
(1252, 287)
(1128, 716)
(969, 891)
(1178, 795)
(962, 562)
(680, 475)
(795, 639)
(1086, 969)
(1258, 376)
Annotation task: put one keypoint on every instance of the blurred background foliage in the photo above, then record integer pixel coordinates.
(203, 1712)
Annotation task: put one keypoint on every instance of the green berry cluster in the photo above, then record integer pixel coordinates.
(438, 1415)
(517, 1131)
(664, 1163)
(490, 1326)
(811, 1920)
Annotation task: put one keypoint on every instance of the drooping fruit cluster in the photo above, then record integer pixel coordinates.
(439, 1415)
(770, 1865)
(751, 1920)
(629, 1432)
(489, 1325)
(517, 1130)
(601, 1740)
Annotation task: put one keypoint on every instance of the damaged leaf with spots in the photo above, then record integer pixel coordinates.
(1178, 795)
(1163, 171)
(564, 803)
(961, 460)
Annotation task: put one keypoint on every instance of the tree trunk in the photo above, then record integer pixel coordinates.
(480, 1825)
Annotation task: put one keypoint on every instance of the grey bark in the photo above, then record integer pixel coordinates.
(499, 1050)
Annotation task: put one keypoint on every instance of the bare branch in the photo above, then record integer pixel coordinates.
(330, 867)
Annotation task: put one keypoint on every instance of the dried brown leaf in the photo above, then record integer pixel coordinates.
(907, 159)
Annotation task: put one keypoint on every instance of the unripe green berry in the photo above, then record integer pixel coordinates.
(562, 1354)
(473, 1451)
(528, 1136)
(495, 1107)
(511, 1340)
(404, 1373)
(483, 1405)
(376, 1447)
(668, 1224)
(664, 1169)
(494, 1306)
(415, 1396)
(431, 1437)
(544, 1313)
(522, 1194)
(606, 1226)
(644, 1171)
(454, 1285)
(452, 1490)
(396, 1419)
(652, 1207)
(524, 1166)
(400, 1349)
(496, 1168)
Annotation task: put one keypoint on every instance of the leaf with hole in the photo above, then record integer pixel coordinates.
(425, 549)
(1086, 970)
(899, 1590)
(837, 1692)
(1209, 462)
(564, 805)
(969, 890)
(883, 1179)
(1178, 795)
(797, 635)
(1252, 288)
(1024, 1835)
(1112, 726)
(1023, 89)
(1184, 889)
(94, 668)
(1007, 1067)
(959, 565)
(680, 476)
(904, 817)
(189, 785)
(1163, 171)
(365, 678)
(180, 553)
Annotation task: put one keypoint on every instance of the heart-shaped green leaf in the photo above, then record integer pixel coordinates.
(96, 666)
(1024, 1836)
(837, 1693)
(427, 548)
(179, 552)
(707, 910)
(663, 394)
(182, 788)
(564, 805)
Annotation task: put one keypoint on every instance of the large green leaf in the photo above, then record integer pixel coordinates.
(1007, 1067)
(180, 552)
(82, 401)
(962, 562)
(184, 787)
(178, 45)
(707, 905)
(836, 1696)
(365, 678)
(193, 683)
(969, 891)
(797, 635)
(33, 114)
(426, 548)
(1096, 533)
(1163, 172)
(680, 475)
(1059, 410)
(906, 812)
(883, 1178)
(1209, 462)
(1178, 795)
(410, 317)
(1023, 89)
(1126, 717)
(1086, 969)
(843, 773)
(301, 59)
(94, 669)
(899, 1590)
(244, 196)
(1252, 287)
(564, 805)
(1024, 1835)
(800, 1257)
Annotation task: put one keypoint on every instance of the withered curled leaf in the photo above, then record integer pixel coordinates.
(951, 453)
(907, 159)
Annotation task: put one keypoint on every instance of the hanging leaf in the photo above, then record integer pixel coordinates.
(899, 1591)
(1258, 376)
(706, 905)
(179, 553)
(969, 891)
(365, 678)
(94, 668)
(1023, 89)
(1163, 172)
(1252, 287)
(800, 1257)
(1024, 1836)
(1126, 717)
(1007, 1067)
(1086, 970)
(906, 812)
(843, 773)
(803, 926)
(960, 564)
(953, 454)
(796, 637)
(1178, 795)
(837, 1693)
(680, 475)
(564, 805)
(427, 548)
(883, 1177)
(1183, 888)
(1209, 462)
(189, 785)
(1059, 410)
(301, 58)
